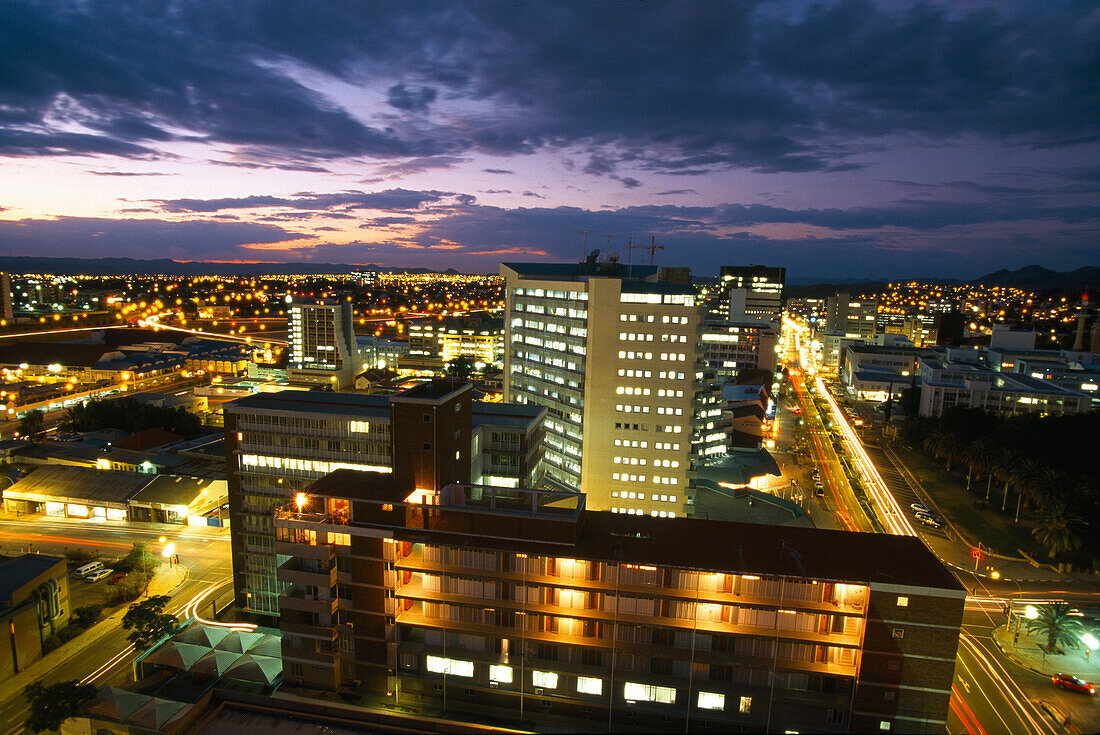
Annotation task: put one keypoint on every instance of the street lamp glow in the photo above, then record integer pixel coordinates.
(1030, 612)
(995, 574)
(1090, 640)
(168, 551)
(300, 499)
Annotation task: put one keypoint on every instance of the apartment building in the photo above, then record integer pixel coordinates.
(732, 346)
(526, 605)
(322, 342)
(614, 355)
(278, 443)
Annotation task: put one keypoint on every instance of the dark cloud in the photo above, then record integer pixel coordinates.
(135, 238)
(533, 194)
(680, 88)
(497, 171)
(419, 165)
(628, 182)
(404, 98)
(671, 192)
(392, 199)
(128, 173)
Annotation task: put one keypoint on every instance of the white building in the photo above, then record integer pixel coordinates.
(323, 349)
(945, 385)
(615, 357)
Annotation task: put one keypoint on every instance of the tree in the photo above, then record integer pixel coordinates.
(1058, 530)
(1005, 466)
(460, 367)
(147, 621)
(910, 398)
(979, 458)
(33, 422)
(1060, 628)
(52, 704)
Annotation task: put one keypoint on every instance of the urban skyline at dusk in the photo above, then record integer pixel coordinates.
(849, 139)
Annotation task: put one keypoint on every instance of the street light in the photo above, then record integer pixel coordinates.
(300, 500)
(1031, 612)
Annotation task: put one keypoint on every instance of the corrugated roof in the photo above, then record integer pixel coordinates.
(80, 485)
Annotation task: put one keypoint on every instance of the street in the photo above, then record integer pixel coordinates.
(203, 552)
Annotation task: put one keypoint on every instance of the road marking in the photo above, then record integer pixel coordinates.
(966, 686)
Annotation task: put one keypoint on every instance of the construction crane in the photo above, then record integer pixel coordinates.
(653, 247)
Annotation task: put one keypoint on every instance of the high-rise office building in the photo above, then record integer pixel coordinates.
(322, 342)
(614, 355)
(762, 296)
(525, 603)
(278, 443)
(732, 346)
(850, 317)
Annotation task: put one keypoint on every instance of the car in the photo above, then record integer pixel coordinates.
(819, 491)
(116, 578)
(1072, 683)
(815, 473)
(98, 575)
(919, 508)
(928, 514)
(927, 521)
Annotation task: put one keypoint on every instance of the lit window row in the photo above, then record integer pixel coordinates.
(631, 391)
(674, 338)
(632, 337)
(636, 317)
(626, 408)
(635, 373)
(629, 460)
(665, 480)
(680, 356)
(631, 355)
(670, 375)
(631, 443)
(669, 393)
(631, 495)
(306, 465)
(624, 477)
(667, 445)
(668, 429)
(674, 320)
(668, 411)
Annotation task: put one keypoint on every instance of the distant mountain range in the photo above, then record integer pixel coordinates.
(166, 267)
(1038, 278)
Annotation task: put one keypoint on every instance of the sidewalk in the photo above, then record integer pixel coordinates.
(165, 581)
(1026, 652)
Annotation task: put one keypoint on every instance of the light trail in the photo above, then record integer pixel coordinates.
(1012, 693)
(154, 321)
(889, 510)
(191, 610)
(62, 331)
(958, 705)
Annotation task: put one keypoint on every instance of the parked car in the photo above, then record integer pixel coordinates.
(929, 521)
(86, 569)
(1072, 683)
(98, 575)
(116, 578)
(919, 508)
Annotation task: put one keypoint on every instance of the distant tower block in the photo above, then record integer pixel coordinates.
(5, 288)
(1079, 342)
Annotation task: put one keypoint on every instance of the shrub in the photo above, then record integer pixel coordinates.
(87, 615)
(79, 557)
(129, 588)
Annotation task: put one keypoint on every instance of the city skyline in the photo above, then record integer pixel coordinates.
(852, 139)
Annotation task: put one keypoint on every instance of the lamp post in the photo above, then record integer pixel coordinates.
(167, 552)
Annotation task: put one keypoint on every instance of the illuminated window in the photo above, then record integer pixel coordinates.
(884, 725)
(544, 679)
(450, 667)
(746, 704)
(589, 685)
(711, 700)
(648, 693)
(903, 602)
(340, 539)
(502, 674)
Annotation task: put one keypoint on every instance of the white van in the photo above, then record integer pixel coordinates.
(98, 575)
(88, 568)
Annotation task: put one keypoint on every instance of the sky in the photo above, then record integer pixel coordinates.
(849, 139)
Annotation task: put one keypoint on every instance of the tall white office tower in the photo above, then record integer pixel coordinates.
(614, 355)
(322, 342)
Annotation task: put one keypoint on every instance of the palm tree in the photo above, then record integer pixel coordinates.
(1060, 628)
(1059, 530)
(1005, 467)
(1028, 476)
(1049, 488)
(979, 457)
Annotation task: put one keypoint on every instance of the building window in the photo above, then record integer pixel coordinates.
(746, 704)
(450, 666)
(427, 446)
(502, 674)
(427, 418)
(712, 700)
(633, 692)
(893, 665)
(903, 602)
(899, 632)
(884, 725)
(589, 685)
(544, 679)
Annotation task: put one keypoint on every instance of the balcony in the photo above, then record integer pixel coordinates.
(306, 573)
(296, 599)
